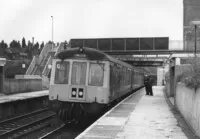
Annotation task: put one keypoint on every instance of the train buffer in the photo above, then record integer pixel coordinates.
(140, 117)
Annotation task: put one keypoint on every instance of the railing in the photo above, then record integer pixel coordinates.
(31, 66)
(44, 52)
(37, 60)
(46, 68)
(60, 48)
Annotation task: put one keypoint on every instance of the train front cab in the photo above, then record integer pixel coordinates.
(79, 81)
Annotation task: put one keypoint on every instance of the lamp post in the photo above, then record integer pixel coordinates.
(195, 23)
(195, 40)
(52, 32)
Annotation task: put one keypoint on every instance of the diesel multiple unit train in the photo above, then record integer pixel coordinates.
(84, 81)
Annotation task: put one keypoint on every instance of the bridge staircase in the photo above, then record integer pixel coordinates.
(40, 64)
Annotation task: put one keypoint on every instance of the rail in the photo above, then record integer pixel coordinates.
(46, 136)
(22, 125)
(38, 59)
(47, 48)
(31, 66)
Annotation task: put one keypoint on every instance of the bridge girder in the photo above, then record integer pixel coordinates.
(146, 63)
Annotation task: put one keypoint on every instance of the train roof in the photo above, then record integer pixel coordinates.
(89, 53)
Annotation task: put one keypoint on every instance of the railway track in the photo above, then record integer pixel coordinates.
(22, 125)
(47, 135)
(70, 131)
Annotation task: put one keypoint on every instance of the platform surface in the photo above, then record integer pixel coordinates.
(138, 117)
(23, 96)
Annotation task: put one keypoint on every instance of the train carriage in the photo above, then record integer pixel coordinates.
(85, 80)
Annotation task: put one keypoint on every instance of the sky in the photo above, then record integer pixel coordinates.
(90, 19)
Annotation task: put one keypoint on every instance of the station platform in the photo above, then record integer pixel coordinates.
(140, 117)
(22, 96)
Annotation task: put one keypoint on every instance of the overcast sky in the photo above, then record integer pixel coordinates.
(90, 18)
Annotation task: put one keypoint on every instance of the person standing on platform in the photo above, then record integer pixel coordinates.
(150, 84)
(146, 84)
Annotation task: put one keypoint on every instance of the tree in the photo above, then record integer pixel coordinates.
(36, 46)
(35, 49)
(23, 43)
(18, 44)
(41, 46)
(29, 49)
(29, 44)
(15, 44)
(65, 45)
(3, 47)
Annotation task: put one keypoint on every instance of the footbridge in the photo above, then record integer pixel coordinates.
(152, 54)
(152, 51)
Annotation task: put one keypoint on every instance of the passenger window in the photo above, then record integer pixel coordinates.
(96, 74)
(79, 73)
(61, 72)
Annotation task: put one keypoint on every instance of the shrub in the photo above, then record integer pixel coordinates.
(191, 77)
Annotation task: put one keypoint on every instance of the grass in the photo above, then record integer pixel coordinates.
(191, 77)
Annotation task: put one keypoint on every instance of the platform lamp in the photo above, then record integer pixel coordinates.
(49, 66)
(196, 24)
(23, 63)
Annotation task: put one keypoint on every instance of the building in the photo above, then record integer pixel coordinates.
(191, 12)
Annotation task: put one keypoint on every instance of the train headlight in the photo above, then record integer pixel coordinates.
(80, 93)
(81, 49)
(73, 93)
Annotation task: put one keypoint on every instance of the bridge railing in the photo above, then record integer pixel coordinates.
(47, 48)
(46, 68)
(31, 66)
(38, 59)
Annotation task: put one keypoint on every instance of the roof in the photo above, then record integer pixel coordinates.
(90, 53)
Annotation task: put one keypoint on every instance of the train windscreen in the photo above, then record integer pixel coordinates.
(62, 72)
(96, 74)
(78, 73)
